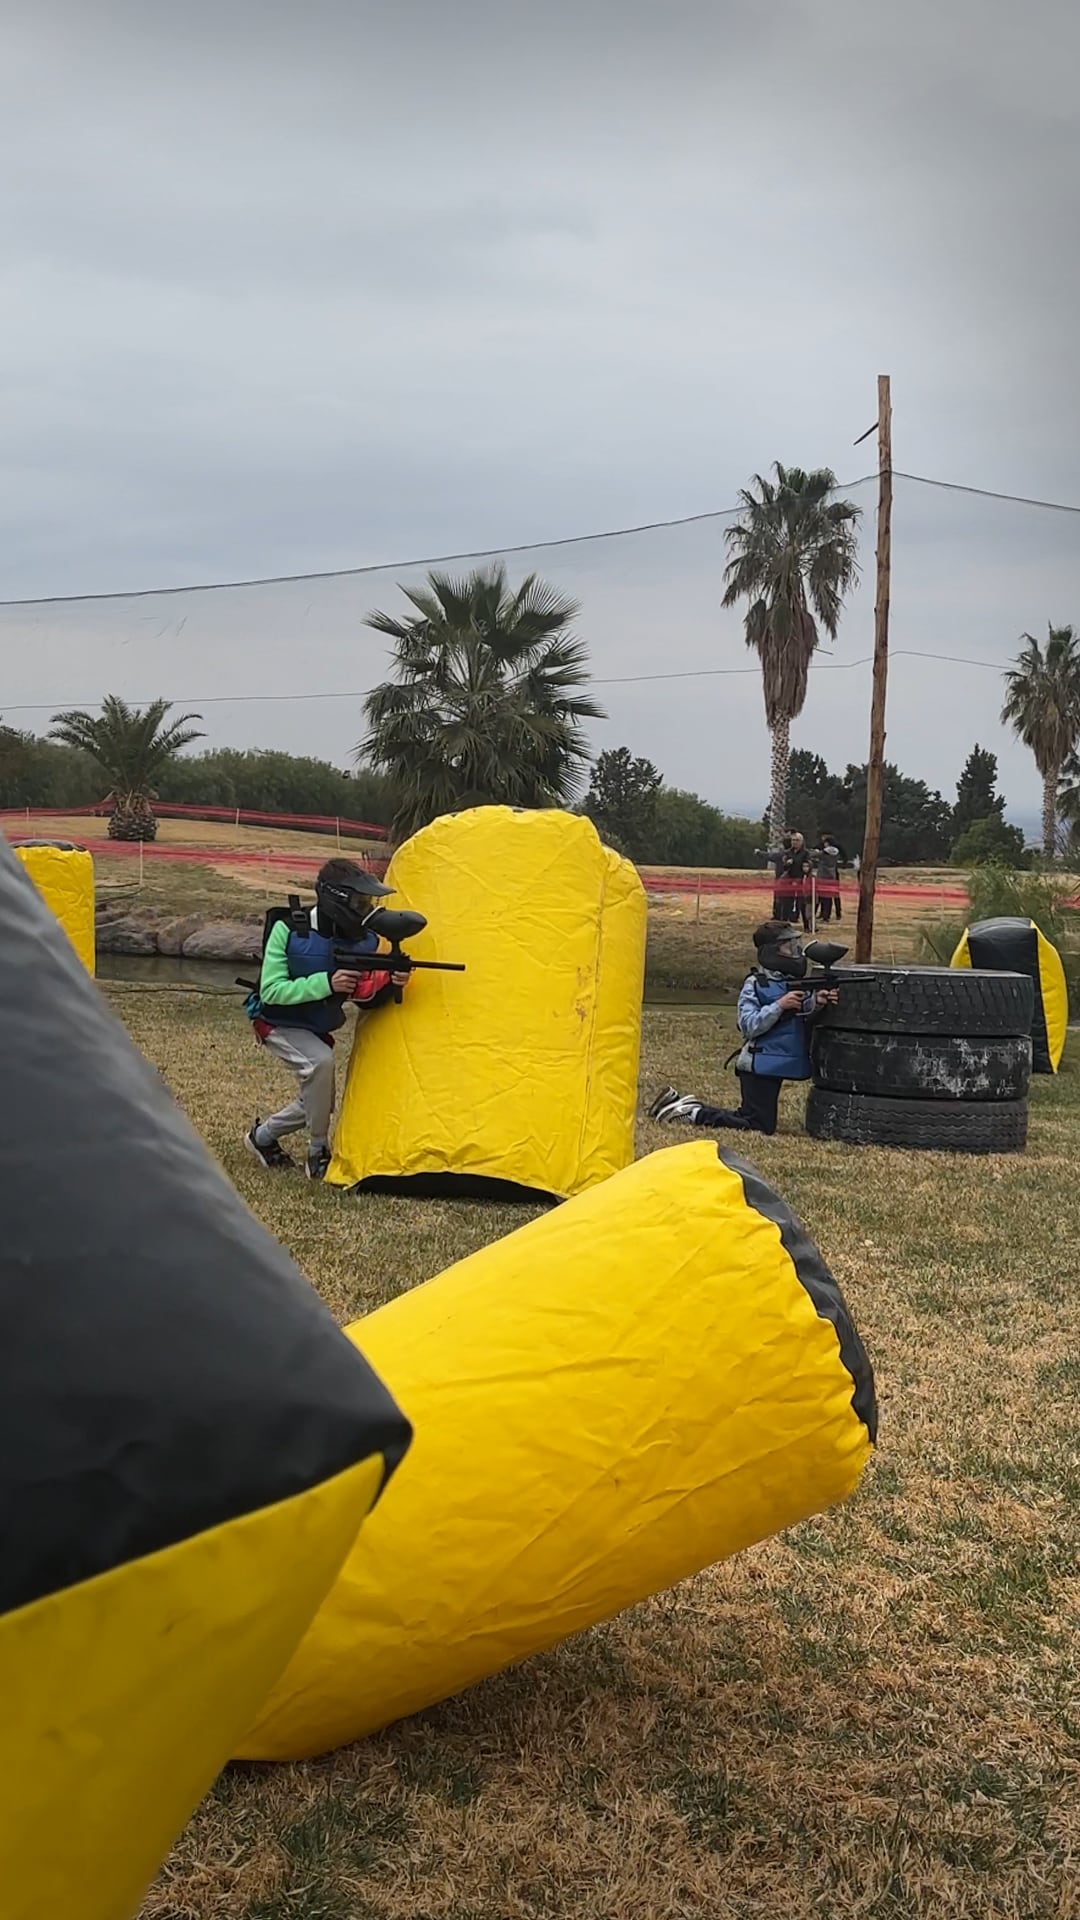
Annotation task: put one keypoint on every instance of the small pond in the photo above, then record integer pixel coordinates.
(171, 970)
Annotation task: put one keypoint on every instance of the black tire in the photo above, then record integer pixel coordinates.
(922, 1066)
(944, 1126)
(961, 1001)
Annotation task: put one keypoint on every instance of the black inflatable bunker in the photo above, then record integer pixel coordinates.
(1017, 946)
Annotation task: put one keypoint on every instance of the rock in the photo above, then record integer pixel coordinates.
(172, 933)
(128, 935)
(225, 940)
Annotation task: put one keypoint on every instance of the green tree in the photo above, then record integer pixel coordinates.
(39, 773)
(276, 782)
(816, 797)
(916, 827)
(131, 747)
(977, 797)
(688, 832)
(1042, 705)
(794, 556)
(486, 704)
(621, 801)
(990, 841)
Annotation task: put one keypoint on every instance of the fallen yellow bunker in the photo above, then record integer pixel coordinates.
(522, 1069)
(615, 1396)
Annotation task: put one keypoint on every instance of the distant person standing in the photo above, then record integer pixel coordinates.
(776, 856)
(827, 858)
(794, 888)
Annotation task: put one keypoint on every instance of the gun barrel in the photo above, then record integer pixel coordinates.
(393, 962)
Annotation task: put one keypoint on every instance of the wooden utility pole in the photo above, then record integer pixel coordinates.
(864, 929)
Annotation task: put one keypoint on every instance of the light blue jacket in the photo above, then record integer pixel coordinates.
(777, 1043)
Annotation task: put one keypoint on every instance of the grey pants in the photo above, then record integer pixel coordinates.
(312, 1061)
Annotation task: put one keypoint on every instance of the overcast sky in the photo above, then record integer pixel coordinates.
(300, 287)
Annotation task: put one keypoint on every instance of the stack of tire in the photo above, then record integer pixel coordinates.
(929, 1057)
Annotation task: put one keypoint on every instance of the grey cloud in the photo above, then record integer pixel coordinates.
(292, 288)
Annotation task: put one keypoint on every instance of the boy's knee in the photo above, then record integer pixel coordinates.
(318, 1073)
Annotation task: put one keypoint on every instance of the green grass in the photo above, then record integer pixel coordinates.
(874, 1714)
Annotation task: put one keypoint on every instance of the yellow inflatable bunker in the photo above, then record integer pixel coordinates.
(188, 1448)
(615, 1396)
(523, 1068)
(64, 876)
(1017, 946)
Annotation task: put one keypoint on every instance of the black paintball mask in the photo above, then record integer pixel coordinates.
(346, 904)
(779, 950)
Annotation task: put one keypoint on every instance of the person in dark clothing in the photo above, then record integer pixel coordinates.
(774, 1019)
(795, 882)
(304, 985)
(776, 857)
(827, 858)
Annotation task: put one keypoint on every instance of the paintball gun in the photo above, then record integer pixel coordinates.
(395, 925)
(824, 954)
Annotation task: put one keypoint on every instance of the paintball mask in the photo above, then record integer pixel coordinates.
(780, 952)
(347, 903)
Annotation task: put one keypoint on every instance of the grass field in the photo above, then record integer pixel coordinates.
(874, 1715)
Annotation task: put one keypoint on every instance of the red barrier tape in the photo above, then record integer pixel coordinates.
(688, 883)
(240, 817)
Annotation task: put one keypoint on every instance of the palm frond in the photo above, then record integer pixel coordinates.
(487, 700)
(793, 557)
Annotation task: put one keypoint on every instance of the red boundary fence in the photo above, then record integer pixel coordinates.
(239, 816)
(278, 860)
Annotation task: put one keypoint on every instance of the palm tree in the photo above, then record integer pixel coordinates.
(485, 707)
(131, 746)
(794, 555)
(1042, 705)
(1068, 796)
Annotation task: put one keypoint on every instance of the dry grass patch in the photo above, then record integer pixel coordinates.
(874, 1715)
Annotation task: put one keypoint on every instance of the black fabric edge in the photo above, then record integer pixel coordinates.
(1010, 929)
(457, 1186)
(162, 1464)
(828, 1301)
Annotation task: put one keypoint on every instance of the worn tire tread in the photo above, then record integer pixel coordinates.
(922, 1066)
(962, 1002)
(942, 1126)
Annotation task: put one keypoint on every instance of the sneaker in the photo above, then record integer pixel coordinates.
(680, 1113)
(318, 1163)
(672, 1107)
(665, 1099)
(272, 1156)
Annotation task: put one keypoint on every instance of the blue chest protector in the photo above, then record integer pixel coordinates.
(314, 952)
(783, 1052)
(307, 951)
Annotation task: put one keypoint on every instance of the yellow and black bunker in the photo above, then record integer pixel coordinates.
(634, 1386)
(188, 1447)
(1010, 945)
